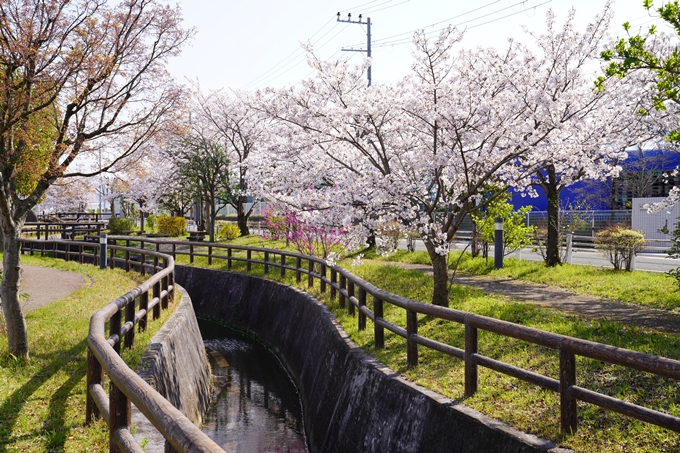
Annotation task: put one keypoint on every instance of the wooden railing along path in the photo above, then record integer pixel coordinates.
(124, 315)
(354, 293)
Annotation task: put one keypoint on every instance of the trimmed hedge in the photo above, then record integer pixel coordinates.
(119, 225)
(172, 226)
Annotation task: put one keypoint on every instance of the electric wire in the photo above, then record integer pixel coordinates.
(290, 54)
(262, 83)
(408, 40)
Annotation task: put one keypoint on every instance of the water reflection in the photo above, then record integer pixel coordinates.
(255, 406)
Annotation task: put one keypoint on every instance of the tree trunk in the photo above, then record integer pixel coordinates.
(552, 255)
(474, 241)
(17, 335)
(241, 218)
(141, 229)
(211, 221)
(440, 294)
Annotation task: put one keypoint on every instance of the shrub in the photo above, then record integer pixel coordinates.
(229, 231)
(119, 225)
(620, 245)
(152, 222)
(172, 226)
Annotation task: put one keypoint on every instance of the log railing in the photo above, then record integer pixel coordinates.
(125, 315)
(355, 293)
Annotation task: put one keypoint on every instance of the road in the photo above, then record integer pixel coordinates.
(653, 262)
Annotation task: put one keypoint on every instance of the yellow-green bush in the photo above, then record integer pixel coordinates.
(119, 225)
(172, 226)
(229, 231)
(620, 244)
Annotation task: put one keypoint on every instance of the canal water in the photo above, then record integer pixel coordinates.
(255, 407)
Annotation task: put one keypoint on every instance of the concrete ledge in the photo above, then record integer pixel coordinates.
(351, 401)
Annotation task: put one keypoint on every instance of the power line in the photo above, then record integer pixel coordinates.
(291, 54)
(278, 74)
(410, 32)
(408, 40)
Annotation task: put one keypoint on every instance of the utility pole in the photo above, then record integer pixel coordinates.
(368, 38)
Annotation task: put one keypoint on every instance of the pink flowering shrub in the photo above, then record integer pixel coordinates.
(315, 240)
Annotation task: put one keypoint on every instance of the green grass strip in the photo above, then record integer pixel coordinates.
(42, 401)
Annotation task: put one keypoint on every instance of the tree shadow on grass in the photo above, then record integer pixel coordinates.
(54, 427)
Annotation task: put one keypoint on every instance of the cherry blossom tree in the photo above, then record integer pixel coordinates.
(587, 129)
(654, 54)
(98, 73)
(241, 131)
(419, 153)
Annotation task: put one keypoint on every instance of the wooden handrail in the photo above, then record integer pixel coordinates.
(568, 347)
(104, 359)
(345, 285)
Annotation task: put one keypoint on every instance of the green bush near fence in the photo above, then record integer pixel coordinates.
(229, 231)
(619, 244)
(172, 226)
(119, 225)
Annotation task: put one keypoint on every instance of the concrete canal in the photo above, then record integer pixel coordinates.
(255, 407)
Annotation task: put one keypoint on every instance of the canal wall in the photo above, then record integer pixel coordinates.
(176, 365)
(352, 403)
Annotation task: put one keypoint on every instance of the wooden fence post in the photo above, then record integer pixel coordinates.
(249, 256)
(343, 285)
(229, 258)
(191, 253)
(157, 294)
(568, 408)
(283, 265)
(130, 317)
(362, 303)
(350, 294)
(120, 411)
(95, 375)
(378, 331)
(322, 280)
(334, 281)
(165, 300)
(266, 262)
(411, 345)
(210, 254)
(471, 371)
(310, 274)
(143, 305)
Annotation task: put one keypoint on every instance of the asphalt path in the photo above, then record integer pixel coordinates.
(652, 262)
(43, 285)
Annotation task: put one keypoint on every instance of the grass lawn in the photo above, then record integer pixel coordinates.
(521, 405)
(42, 401)
(652, 289)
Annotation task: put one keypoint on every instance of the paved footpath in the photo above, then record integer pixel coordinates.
(45, 284)
(562, 300)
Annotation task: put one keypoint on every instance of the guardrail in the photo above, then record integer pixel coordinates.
(103, 357)
(353, 293)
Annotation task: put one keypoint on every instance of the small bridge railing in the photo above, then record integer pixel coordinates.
(124, 315)
(353, 293)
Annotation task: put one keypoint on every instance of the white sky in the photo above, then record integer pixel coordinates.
(250, 44)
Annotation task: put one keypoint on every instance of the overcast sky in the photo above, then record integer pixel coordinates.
(254, 43)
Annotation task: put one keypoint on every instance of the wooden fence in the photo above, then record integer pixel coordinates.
(124, 315)
(354, 293)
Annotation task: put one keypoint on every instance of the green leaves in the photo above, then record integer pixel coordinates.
(639, 52)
